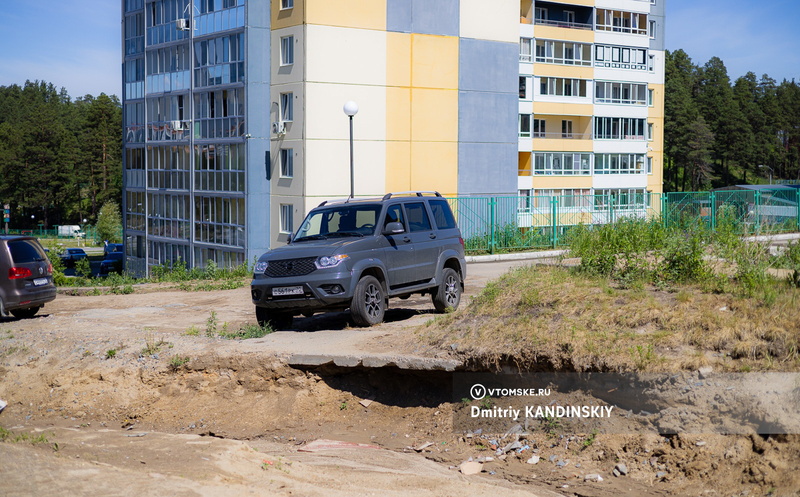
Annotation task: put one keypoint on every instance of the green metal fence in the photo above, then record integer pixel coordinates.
(492, 224)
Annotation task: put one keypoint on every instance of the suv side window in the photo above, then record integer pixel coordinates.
(442, 214)
(394, 214)
(417, 217)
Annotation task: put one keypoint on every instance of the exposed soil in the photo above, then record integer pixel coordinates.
(235, 418)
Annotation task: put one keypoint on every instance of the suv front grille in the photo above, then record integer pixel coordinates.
(291, 267)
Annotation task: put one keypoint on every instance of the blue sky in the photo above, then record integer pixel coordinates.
(75, 44)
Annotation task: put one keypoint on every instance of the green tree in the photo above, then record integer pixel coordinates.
(679, 112)
(109, 222)
(699, 163)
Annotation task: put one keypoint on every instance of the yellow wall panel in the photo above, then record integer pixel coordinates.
(657, 110)
(434, 166)
(558, 71)
(398, 166)
(566, 34)
(434, 61)
(284, 18)
(562, 109)
(434, 115)
(365, 14)
(398, 59)
(558, 182)
(398, 113)
(524, 164)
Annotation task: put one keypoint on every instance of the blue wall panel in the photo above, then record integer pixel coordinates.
(488, 66)
(487, 168)
(434, 17)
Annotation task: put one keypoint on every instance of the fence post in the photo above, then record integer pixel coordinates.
(554, 219)
(713, 212)
(663, 209)
(492, 239)
(797, 207)
(758, 211)
(611, 199)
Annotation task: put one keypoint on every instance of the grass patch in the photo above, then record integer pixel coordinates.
(9, 436)
(573, 320)
(152, 345)
(177, 361)
(247, 331)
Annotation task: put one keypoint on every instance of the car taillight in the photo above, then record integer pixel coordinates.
(49, 269)
(461, 241)
(15, 273)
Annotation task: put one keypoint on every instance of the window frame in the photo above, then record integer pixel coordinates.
(287, 107)
(287, 50)
(286, 162)
(287, 4)
(286, 219)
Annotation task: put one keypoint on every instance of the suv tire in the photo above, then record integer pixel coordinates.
(25, 313)
(448, 293)
(369, 302)
(275, 320)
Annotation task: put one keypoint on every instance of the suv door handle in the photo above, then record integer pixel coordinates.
(432, 236)
(406, 239)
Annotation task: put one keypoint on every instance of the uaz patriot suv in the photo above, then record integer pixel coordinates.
(357, 254)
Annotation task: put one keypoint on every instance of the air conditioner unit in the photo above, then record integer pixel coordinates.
(176, 125)
(182, 24)
(279, 128)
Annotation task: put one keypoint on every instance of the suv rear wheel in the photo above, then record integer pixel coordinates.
(369, 302)
(448, 293)
(276, 320)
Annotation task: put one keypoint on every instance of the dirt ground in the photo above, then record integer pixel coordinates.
(172, 413)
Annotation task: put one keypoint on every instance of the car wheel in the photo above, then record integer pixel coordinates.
(369, 302)
(275, 320)
(448, 293)
(25, 313)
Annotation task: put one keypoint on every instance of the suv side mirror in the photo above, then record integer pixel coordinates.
(394, 229)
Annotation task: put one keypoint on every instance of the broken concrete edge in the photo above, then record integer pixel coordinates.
(348, 361)
(517, 256)
(773, 238)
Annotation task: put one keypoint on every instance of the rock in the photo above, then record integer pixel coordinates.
(661, 474)
(533, 460)
(622, 468)
(3, 405)
(502, 457)
(593, 477)
(422, 447)
(615, 472)
(511, 446)
(365, 402)
(561, 464)
(470, 468)
(705, 371)
(700, 443)
(552, 458)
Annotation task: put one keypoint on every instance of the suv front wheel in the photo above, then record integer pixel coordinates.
(448, 293)
(369, 302)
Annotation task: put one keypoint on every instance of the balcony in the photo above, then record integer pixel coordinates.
(557, 15)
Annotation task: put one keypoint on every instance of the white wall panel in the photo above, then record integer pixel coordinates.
(325, 118)
(497, 20)
(328, 169)
(345, 55)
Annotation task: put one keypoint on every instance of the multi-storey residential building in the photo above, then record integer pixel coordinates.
(234, 128)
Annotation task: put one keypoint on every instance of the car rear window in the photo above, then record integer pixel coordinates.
(24, 251)
(442, 214)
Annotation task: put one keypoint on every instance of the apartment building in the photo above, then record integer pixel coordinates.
(234, 128)
(591, 103)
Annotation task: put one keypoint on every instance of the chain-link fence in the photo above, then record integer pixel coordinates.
(492, 224)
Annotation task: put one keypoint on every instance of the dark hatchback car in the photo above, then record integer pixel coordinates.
(26, 277)
(356, 254)
(72, 255)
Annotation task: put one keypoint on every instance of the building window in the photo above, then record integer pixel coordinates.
(650, 131)
(619, 128)
(569, 17)
(287, 4)
(541, 13)
(539, 126)
(620, 57)
(650, 97)
(525, 49)
(287, 107)
(652, 29)
(525, 125)
(287, 50)
(649, 165)
(563, 52)
(524, 201)
(287, 224)
(562, 87)
(652, 65)
(562, 163)
(287, 162)
(566, 129)
(618, 163)
(525, 88)
(621, 21)
(612, 92)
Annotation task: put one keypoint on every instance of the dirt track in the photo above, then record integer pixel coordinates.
(232, 420)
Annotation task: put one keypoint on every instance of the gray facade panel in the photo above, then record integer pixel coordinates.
(257, 201)
(487, 169)
(435, 17)
(488, 66)
(487, 117)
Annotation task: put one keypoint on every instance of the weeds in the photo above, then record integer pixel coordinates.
(177, 361)
(211, 325)
(152, 346)
(111, 353)
(247, 331)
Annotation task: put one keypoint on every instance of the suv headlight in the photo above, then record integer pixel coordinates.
(332, 261)
(261, 267)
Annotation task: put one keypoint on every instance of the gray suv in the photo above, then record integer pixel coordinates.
(357, 254)
(26, 277)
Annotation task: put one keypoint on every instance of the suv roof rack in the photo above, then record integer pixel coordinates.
(412, 193)
(385, 197)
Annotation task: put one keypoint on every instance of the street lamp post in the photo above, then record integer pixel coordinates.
(770, 171)
(351, 109)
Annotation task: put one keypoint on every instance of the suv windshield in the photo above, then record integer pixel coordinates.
(340, 220)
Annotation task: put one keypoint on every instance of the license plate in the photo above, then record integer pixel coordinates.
(39, 281)
(287, 290)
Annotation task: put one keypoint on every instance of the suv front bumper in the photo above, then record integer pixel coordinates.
(321, 290)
